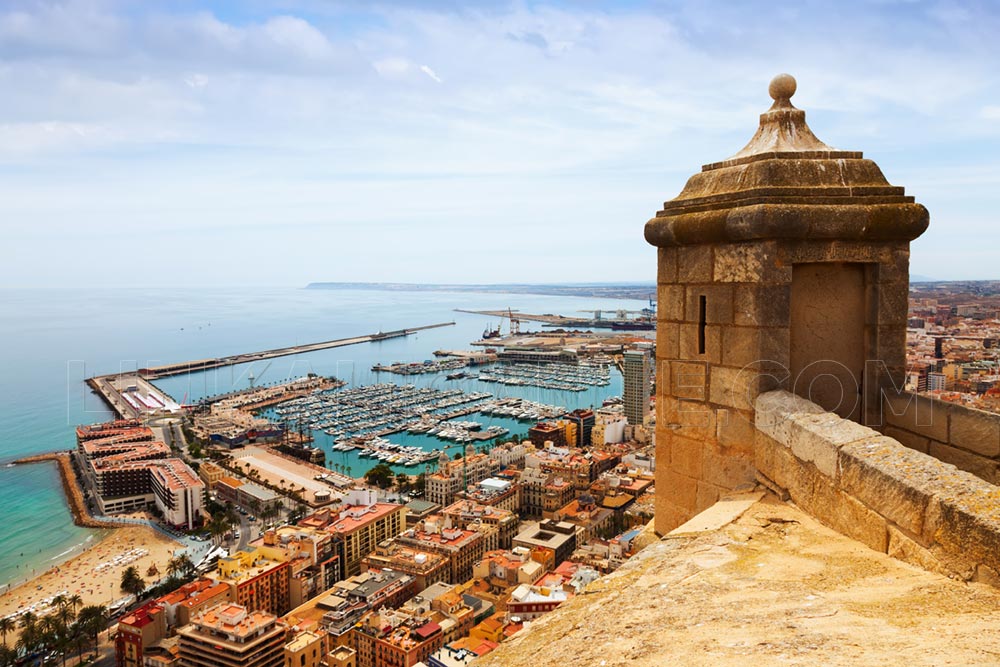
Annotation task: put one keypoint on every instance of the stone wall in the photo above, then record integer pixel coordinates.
(965, 437)
(868, 486)
(725, 334)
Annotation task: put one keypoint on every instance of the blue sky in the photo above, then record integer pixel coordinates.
(283, 142)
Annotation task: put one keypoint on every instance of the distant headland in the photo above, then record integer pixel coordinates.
(610, 290)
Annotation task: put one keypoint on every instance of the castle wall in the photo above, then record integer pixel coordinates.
(871, 488)
(964, 437)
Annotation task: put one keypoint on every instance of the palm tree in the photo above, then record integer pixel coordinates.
(181, 565)
(218, 525)
(131, 582)
(75, 601)
(28, 620)
(7, 625)
(8, 656)
(93, 619)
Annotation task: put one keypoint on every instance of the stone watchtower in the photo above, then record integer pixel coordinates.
(785, 266)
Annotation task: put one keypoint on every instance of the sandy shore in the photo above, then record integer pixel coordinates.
(94, 575)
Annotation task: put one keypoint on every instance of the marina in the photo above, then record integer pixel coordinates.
(556, 375)
(360, 418)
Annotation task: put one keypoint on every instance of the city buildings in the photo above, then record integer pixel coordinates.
(129, 471)
(443, 484)
(361, 524)
(462, 547)
(142, 635)
(500, 493)
(497, 525)
(556, 536)
(259, 578)
(637, 374)
(426, 567)
(229, 635)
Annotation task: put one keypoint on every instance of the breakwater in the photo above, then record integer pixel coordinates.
(71, 487)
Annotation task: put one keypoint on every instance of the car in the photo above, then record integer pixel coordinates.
(252, 517)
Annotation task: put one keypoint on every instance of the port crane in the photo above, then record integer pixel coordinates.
(515, 324)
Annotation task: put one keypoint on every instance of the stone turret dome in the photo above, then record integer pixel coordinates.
(787, 184)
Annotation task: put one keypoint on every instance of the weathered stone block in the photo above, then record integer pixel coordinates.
(668, 515)
(816, 494)
(903, 547)
(668, 338)
(893, 302)
(689, 343)
(726, 468)
(718, 303)
(775, 346)
(733, 387)
(818, 437)
(745, 263)
(965, 521)
(695, 420)
(896, 266)
(917, 414)
(689, 379)
(670, 303)
(740, 346)
(761, 305)
(907, 439)
(769, 457)
(896, 482)
(708, 495)
(694, 264)
(680, 490)
(735, 429)
(686, 456)
(979, 466)
(773, 411)
(975, 430)
(666, 265)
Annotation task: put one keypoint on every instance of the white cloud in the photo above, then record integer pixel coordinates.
(429, 72)
(567, 120)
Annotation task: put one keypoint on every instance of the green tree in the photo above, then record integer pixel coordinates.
(75, 601)
(380, 476)
(180, 565)
(218, 525)
(7, 626)
(93, 619)
(132, 583)
(403, 482)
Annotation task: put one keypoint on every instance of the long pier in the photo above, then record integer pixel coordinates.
(114, 387)
(155, 372)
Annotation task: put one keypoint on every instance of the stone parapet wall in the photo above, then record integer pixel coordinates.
(965, 437)
(870, 487)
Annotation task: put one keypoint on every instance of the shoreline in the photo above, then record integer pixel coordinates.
(71, 489)
(95, 572)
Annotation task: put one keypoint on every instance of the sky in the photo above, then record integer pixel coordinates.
(282, 142)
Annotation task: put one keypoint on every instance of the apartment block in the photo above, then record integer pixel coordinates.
(229, 635)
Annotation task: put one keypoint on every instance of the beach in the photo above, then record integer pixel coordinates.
(96, 573)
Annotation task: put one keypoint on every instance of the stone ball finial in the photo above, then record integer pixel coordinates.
(782, 87)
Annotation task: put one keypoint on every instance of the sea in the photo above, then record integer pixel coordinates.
(52, 339)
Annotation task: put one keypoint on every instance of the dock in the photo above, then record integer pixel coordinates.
(166, 370)
(620, 320)
(132, 395)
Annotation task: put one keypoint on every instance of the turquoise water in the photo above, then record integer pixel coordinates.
(50, 340)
